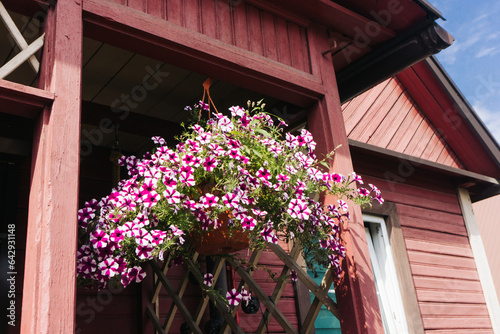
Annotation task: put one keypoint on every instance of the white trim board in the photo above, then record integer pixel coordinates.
(483, 268)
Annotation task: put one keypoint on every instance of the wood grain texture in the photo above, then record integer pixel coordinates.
(50, 278)
(388, 117)
(261, 28)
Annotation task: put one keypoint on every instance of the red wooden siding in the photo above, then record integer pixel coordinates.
(444, 273)
(387, 116)
(238, 23)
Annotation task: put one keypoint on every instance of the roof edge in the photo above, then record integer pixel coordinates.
(430, 9)
(481, 186)
(464, 108)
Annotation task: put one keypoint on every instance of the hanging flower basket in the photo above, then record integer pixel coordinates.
(221, 240)
(232, 182)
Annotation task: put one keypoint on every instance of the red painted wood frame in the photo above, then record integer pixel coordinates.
(49, 291)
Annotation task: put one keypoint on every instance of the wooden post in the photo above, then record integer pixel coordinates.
(355, 290)
(50, 274)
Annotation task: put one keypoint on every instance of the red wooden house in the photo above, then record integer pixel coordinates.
(82, 80)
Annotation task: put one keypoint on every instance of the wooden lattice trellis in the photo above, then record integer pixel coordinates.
(27, 51)
(245, 272)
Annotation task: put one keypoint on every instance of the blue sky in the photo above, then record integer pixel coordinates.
(473, 61)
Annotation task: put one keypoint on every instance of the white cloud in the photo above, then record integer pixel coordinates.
(489, 117)
(483, 52)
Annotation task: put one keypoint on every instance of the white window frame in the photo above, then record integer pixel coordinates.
(386, 280)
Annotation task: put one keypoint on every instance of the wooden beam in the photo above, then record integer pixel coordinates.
(49, 290)
(355, 289)
(21, 57)
(18, 37)
(154, 37)
(21, 100)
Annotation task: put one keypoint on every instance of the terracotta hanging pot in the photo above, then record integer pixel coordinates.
(220, 240)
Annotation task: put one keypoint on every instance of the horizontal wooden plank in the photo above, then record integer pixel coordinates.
(438, 248)
(23, 100)
(455, 284)
(430, 215)
(425, 224)
(434, 295)
(448, 309)
(438, 237)
(424, 257)
(456, 322)
(459, 331)
(431, 270)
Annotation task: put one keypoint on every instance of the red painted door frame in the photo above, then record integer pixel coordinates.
(49, 291)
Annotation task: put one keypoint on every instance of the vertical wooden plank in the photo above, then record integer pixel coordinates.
(396, 115)
(192, 16)
(355, 289)
(157, 8)
(208, 19)
(50, 272)
(358, 107)
(137, 5)
(375, 114)
(224, 24)
(174, 11)
(296, 46)
(283, 42)
(403, 134)
(240, 26)
(305, 50)
(417, 148)
(269, 35)
(480, 258)
(255, 30)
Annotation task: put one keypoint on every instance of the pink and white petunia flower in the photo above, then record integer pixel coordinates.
(208, 279)
(172, 195)
(99, 239)
(248, 222)
(144, 252)
(108, 267)
(233, 297)
(209, 200)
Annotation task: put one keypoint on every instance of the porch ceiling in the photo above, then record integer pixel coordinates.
(146, 97)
